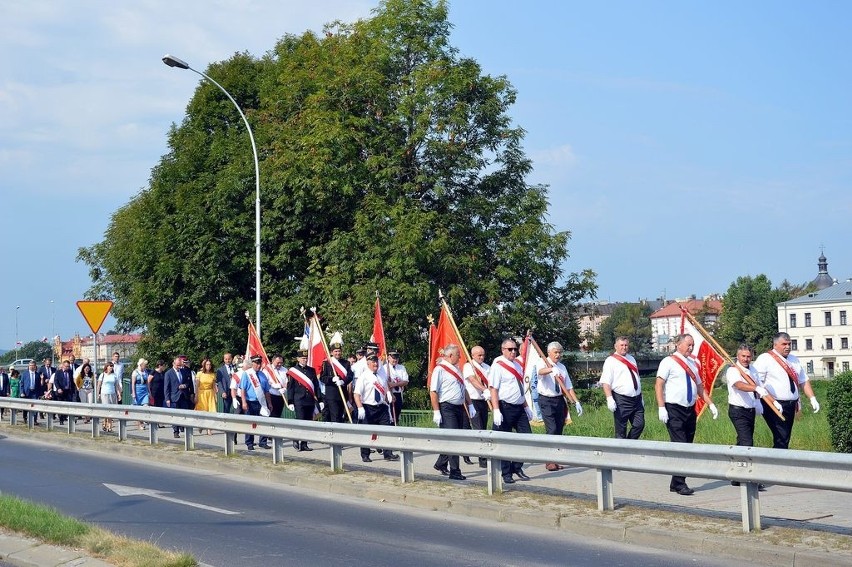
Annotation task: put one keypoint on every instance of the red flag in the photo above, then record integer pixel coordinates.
(444, 334)
(316, 347)
(378, 335)
(709, 361)
(433, 333)
(255, 348)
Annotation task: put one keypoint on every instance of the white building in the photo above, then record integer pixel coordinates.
(665, 322)
(818, 325)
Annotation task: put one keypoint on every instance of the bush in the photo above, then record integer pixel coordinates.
(839, 404)
(416, 399)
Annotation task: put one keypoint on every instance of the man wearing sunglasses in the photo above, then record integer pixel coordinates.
(511, 413)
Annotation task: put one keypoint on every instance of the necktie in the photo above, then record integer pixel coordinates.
(635, 383)
(688, 389)
(377, 396)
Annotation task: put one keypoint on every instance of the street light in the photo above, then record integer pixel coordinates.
(52, 330)
(173, 61)
(17, 342)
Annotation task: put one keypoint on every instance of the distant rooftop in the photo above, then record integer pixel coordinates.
(839, 292)
(823, 280)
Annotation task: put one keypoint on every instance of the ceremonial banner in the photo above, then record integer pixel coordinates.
(316, 347)
(255, 348)
(529, 358)
(709, 361)
(444, 334)
(378, 335)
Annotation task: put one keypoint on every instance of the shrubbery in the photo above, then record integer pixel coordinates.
(839, 410)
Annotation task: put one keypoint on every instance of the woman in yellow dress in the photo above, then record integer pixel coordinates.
(206, 390)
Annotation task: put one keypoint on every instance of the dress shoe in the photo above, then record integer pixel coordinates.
(264, 446)
(443, 470)
(761, 488)
(250, 447)
(467, 461)
(305, 447)
(735, 483)
(522, 475)
(508, 480)
(391, 456)
(483, 464)
(457, 475)
(177, 435)
(683, 490)
(367, 459)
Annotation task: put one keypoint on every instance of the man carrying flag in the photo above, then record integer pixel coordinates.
(303, 393)
(449, 399)
(623, 390)
(554, 391)
(677, 389)
(254, 393)
(511, 412)
(372, 400)
(336, 374)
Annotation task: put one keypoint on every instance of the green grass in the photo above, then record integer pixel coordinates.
(48, 525)
(810, 431)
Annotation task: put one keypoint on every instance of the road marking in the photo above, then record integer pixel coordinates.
(122, 490)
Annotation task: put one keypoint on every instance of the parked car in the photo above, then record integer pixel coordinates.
(21, 364)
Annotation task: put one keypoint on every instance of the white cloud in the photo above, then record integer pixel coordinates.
(561, 156)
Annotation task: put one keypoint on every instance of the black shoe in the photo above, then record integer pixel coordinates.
(483, 464)
(305, 447)
(761, 488)
(367, 459)
(250, 447)
(391, 457)
(177, 435)
(735, 483)
(457, 475)
(264, 446)
(522, 475)
(683, 490)
(443, 470)
(467, 461)
(508, 480)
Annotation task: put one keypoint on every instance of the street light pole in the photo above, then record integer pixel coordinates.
(17, 341)
(52, 332)
(173, 61)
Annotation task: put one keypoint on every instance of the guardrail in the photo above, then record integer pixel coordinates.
(748, 465)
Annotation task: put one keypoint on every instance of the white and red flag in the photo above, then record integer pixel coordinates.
(530, 358)
(709, 361)
(316, 347)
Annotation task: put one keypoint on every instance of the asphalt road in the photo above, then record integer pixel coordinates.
(224, 521)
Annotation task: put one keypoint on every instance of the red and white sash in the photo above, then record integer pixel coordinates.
(514, 372)
(634, 370)
(377, 384)
(451, 370)
(791, 374)
(683, 364)
(258, 391)
(302, 379)
(480, 373)
(338, 368)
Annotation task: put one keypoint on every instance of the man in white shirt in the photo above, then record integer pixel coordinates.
(783, 375)
(372, 400)
(623, 390)
(511, 412)
(554, 384)
(397, 379)
(449, 398)
(479, 394)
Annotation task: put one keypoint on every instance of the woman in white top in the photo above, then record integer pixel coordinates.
(109, 390)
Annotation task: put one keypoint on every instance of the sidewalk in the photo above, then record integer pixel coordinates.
(800, 526)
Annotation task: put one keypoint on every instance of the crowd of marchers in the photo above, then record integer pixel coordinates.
(364, 389)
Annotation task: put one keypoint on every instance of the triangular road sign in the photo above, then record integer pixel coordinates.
(94, 312)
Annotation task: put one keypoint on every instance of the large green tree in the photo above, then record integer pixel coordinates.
(749, 312)
(389, 164)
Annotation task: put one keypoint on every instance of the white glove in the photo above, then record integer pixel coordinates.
(498, 417)
(663, 414)
(610, 404)
(579, 408)
(291, 407)
(362, 413)
(814, 404)
(264, 412)
(713, 411)
(322, 406)
(777, 405)
(471, 411)
(436, 417)
(235, 403)
(758, 408)
(529, 412)
(337, 381)
(760, 391)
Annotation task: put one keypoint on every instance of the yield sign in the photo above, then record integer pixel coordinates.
(95, 313)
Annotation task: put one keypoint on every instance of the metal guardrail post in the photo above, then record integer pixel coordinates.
(604, 490)
(13, 419)
(49, 418)
(153, 433)
(336, 458)
(72, 424)
(229, 443)
(407, 466)
(122, 430)
(750, 505)
(96, 427)
(189, 439)
(277, 450)
(495, 478)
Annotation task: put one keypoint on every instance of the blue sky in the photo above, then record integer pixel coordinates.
(685, 143)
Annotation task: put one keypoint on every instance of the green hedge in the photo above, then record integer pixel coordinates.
(840, 412)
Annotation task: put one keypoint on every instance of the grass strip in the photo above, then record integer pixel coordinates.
(48, 525)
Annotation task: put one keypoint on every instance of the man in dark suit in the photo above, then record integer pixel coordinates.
(31, 386)
(63, 386)
(45, 372)
(178, 389)
(223, 380)
(303, 393)
(4, 386)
